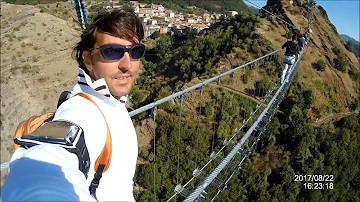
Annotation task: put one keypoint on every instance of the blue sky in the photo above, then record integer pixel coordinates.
(344, 14)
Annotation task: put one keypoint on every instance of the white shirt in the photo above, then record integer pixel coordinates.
(116, 183)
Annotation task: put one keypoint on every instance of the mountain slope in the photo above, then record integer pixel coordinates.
(356, 44)
(36, 65)
(334, 90)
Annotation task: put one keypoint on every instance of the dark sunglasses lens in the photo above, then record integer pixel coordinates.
(137, 51)
(112, 52)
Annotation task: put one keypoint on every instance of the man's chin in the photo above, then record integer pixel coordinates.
(119, 94)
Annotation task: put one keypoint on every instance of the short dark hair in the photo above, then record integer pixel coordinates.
(294, 37)
(122, 23)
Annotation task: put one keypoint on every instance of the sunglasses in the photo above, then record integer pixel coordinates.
(116, 51)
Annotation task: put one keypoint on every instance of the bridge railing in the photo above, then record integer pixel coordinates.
(262, 105)
(216, 78)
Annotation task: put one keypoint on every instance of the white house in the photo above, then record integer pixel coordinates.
(231, 13)
(137, 9)
(153, 22)
(191, 20)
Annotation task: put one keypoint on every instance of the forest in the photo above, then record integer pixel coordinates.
(196, 56)
(291, 145)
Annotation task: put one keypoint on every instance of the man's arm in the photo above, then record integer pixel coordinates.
(285, 44)
(85, 114)
(65, 176)
(45, 173)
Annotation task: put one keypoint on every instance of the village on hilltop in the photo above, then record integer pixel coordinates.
(158, 18)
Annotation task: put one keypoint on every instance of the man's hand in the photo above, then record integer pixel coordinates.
(45, 173)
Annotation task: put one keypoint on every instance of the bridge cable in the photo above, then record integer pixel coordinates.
(261, 132)
(237, 132)
(215, 117)
(154, 118)
(270, 13)
(198, 127)
(178, 146)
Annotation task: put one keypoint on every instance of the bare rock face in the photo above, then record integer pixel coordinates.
(36, 66)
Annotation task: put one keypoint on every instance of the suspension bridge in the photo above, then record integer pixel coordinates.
(223, 163)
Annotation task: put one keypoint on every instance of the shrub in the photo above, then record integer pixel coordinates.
(350, 46)
(341, 62)
(246, 75)
(354, 73)
(320, 65)
(263, 85)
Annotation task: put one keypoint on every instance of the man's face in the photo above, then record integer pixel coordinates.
(119, 75)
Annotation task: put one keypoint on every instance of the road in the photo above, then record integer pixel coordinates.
(332, 117)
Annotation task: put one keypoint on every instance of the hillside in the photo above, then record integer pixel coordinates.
(36, 66)
(356, 44)
(334, 90)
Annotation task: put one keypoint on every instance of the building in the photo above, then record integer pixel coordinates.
(137, 9)
(152, 22)
(191, 20)
(148, 11)
(231, 13)
(201, 26)
(217, 16)
(161, 14)
(150, 29)
(160, 8)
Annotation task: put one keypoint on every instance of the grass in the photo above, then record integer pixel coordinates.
(17, 27)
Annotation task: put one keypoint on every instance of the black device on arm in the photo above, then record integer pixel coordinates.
(61, 133)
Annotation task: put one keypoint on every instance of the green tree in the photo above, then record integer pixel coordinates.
(341, 62)
(320, 65)
(163, 45)
(350, 46)
(155, 35)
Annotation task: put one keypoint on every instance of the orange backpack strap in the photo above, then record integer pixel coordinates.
(102, 163)
(30, 125)
(105, 156)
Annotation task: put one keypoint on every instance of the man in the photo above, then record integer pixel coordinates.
(301, 42)
(109, 58)
(307, 35)
(291, 55)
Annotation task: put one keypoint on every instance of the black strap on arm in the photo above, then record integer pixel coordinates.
(63, 97)
(96, 180)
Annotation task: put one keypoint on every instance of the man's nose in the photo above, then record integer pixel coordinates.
(125, 62)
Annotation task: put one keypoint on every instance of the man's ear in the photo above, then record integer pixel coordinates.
(87, 60)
